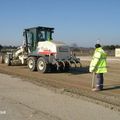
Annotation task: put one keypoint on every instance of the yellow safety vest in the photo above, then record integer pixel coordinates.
(99, 63)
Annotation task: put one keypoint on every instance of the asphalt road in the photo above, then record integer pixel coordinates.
(21, 100)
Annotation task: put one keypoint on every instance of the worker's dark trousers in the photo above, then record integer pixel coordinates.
(100, 80)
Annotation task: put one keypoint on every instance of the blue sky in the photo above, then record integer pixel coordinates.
(75, 21)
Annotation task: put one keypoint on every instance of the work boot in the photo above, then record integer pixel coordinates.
(96, 89)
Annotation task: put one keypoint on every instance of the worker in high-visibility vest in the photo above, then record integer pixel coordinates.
(98, 65)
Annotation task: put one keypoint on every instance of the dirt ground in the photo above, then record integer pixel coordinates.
(77, 81)
(23, 100)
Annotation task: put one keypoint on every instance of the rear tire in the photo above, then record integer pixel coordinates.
(31, 63)
(42, 65)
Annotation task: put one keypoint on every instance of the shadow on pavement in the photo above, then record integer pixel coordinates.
(112, 87)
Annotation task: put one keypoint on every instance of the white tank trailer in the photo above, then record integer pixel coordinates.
(41, 53)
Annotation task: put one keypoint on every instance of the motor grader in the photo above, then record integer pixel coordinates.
(40, 52)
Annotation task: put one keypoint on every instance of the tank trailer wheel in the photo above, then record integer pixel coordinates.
(31, 63)
(7, 60)
(42, 65)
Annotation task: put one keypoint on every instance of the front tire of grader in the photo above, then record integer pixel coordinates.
(31, 63)
(42, 65)
(7, 60)
(1, 59)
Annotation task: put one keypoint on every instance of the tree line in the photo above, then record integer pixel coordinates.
(7, 47)
(74, 47)
(111, 47)
(105, 47)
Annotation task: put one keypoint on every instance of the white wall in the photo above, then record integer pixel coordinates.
(117, 52)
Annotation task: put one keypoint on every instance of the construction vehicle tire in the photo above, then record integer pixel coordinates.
(1, 59)
(31, 63)
(42, 65)
(7, 60)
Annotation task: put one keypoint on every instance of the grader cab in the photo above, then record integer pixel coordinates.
(35, 35)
